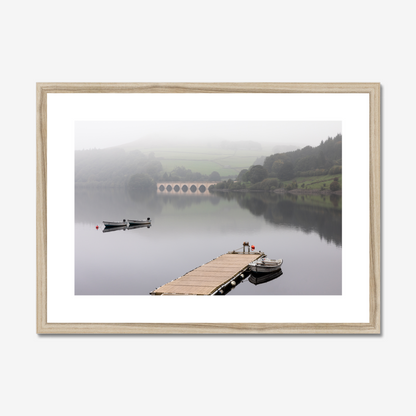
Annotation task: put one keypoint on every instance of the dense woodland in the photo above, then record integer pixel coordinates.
(309, 161)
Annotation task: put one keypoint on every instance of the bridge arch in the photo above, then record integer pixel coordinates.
(184, 187)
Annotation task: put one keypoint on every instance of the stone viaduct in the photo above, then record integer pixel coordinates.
(184, 187)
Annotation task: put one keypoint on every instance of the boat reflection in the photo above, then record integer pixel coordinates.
(258, 279)
(109, 229)
(133, 227)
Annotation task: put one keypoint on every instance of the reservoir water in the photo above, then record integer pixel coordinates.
(190, 229)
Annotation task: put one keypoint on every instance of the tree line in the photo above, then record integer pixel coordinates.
(310, 161)
(116, 167)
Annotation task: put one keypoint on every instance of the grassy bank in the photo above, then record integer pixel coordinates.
(301, 185)
(315, 182)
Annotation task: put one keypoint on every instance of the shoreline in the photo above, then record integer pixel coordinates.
(308, 191)
(283, 191)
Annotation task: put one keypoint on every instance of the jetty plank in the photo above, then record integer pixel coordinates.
(206, 279)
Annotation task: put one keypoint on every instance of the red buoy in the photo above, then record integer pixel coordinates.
(96, 227)
(252, 247)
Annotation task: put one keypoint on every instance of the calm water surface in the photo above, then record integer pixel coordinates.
(191, 229)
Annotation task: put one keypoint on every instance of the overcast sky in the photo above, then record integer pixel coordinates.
(102, 134)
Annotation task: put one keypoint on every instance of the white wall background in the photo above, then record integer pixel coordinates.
(188, 41)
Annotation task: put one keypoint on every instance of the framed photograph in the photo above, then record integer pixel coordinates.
(208, 208)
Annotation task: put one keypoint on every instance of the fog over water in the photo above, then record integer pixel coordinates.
(192, 229)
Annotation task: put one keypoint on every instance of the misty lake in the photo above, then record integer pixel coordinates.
(191, 229)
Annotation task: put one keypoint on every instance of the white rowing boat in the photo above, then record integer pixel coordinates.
(265, 265)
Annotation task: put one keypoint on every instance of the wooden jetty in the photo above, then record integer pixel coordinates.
(210, 277)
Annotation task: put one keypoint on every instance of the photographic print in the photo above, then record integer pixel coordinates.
(231, 207)
(208, 208)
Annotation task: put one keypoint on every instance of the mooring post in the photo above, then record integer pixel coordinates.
(244, 247)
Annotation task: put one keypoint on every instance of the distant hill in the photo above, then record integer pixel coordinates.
(114, 167)
(173, 159)
(240, 145)
(203, 156)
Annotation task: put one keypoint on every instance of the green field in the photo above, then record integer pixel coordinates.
(226, 162)
(315, 182)
(205, 167)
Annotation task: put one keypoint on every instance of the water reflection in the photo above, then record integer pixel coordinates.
(111, 229)
(255, 279)
(135, 227)
(190, 229)
(258, 279)
(310, 213)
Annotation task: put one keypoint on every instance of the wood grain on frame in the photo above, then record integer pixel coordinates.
(43, 327)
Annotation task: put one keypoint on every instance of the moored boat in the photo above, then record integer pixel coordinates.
(148, 221)
(115, 223)
(265, 265)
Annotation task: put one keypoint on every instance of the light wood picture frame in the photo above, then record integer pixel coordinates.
(373, 325)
